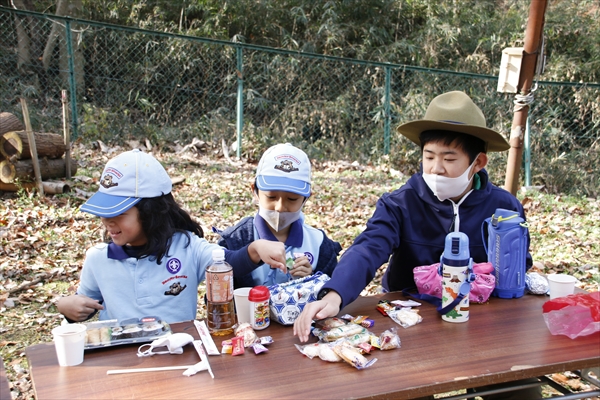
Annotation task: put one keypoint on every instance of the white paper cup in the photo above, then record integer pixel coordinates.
(561, 285)
(69, 341)
(242, 305)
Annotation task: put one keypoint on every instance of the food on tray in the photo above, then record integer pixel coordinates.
(114, 332)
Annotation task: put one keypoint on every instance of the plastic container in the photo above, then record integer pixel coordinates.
(260, 315)
(455, 268)
(220, 310)
(507, 251)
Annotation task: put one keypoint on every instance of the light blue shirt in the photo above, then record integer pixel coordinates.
(132, 288)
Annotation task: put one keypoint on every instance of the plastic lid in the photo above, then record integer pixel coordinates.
(259, 293)
(218, 254)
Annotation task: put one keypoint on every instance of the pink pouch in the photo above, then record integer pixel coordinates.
(429, 281)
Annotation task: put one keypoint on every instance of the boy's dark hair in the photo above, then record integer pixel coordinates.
(467, 143)
(161, 217)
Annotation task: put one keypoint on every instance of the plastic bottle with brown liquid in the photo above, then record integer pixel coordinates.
(220, 312)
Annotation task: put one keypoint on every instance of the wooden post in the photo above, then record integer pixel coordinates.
(533, 37)
(66, 134)
(34, 157)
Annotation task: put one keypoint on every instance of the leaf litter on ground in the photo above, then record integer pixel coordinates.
(43, 240)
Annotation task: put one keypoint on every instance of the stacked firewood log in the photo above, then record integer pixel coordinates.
(15, 154)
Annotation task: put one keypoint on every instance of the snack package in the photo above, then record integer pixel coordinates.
(405, 317)
(352, 355)
(331, 322)
(322, 350)
(245, 330)
(309, 350)
(340, 332)
(389, 339)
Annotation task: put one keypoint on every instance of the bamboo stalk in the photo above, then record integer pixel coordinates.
(33, 149)
(66, 135)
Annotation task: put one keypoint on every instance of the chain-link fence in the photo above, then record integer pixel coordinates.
(129, 83)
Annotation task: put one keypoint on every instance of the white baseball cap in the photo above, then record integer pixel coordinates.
(286, 168)
(126, 179)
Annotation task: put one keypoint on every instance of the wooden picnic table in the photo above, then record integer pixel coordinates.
(504, 340)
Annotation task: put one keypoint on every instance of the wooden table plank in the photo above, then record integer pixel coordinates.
(504, 340)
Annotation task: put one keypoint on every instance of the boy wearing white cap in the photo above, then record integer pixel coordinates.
(282, 186)
(156, 255)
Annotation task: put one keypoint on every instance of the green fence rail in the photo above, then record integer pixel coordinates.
(127, 83)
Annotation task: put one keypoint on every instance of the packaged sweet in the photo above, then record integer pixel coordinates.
(266, 340)
(384, 307)
(326, 353)
(365, 347)
(359, 338)
(340, 332)
(389, 340)
(133, 330)
(309, 350)
(573, 315)
(352, 355)
(237, 346)
(330, 323)
(406, 317)
(245, 330)
(227, 346)
(259, 348)
(406, 303)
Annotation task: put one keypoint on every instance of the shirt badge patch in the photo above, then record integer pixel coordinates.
(173, 265)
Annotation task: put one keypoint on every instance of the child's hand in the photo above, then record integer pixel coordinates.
(272, 253)
(78, 307)
(301, 267)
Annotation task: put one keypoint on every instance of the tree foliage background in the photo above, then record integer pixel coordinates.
(459, 35)
(137, 85)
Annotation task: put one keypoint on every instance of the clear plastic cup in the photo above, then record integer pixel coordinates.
(69, 341)
(561, 285)
(242, 305)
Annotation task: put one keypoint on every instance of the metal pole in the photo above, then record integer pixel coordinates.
(533, 37)
(73, 87)
(527, 155)
(240, 101)
(386, 110)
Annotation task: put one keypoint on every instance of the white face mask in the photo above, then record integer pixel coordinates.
(447, 188)
(279, 220)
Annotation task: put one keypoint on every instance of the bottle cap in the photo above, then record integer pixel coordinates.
(218, 254)
(259, 293)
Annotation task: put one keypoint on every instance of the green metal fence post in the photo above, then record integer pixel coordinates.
(72, 86)
(386, 107)
(240, 100)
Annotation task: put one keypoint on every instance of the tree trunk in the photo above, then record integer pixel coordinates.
(73, 9)
(51, 43)
(23, 41)
(9, 123)
(23, 169)
(16, 143)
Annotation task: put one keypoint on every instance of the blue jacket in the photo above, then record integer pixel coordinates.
(242, 234)
(411, 225)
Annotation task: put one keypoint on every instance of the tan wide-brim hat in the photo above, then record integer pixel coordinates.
(456, 112)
